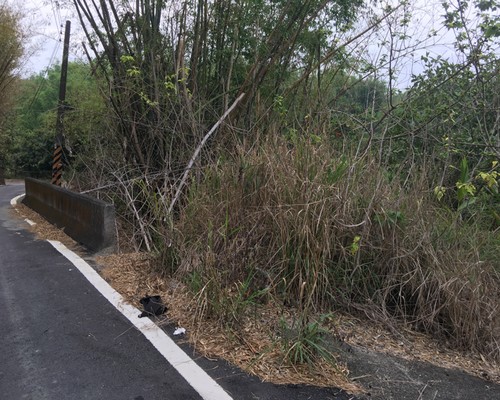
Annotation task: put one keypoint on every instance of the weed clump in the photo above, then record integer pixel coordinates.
(318, 231)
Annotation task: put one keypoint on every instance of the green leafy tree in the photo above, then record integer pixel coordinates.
(11, 51)
(449, 119)
(32, 134)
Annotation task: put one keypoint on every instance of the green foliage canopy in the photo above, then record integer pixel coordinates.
(33, 130)
(11, 51)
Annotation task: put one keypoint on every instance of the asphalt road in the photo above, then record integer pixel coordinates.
(60, 339)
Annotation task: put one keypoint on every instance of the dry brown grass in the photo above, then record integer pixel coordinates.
(330, 234)
(44, 230)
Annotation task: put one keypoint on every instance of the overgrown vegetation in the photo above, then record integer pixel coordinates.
(327, 232)
(11, 51)
(328, 188)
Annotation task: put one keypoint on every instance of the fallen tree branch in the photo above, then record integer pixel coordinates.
(197, 152)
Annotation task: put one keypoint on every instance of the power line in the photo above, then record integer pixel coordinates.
(56, 12)
(44, 76)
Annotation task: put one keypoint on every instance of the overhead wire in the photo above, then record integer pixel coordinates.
(44, 76)
(56, 12)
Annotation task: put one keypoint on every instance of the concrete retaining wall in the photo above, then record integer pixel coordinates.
(89, 221)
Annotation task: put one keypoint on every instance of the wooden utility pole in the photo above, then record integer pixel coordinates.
(61, 108)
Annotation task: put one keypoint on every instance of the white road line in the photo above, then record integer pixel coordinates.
(13, 203)
(207, 388)
(199, 380)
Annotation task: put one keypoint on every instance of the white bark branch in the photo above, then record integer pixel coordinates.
(197, 152)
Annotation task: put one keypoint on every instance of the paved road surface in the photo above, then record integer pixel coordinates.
(60, 339)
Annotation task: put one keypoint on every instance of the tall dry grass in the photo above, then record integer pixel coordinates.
(320, 231)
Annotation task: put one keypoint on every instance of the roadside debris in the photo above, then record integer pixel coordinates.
(153, 305)
(179, 331)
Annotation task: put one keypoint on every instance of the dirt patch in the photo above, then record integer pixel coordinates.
(252, 346)
(413, 346)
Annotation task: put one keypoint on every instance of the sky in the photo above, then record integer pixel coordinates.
(45, 21)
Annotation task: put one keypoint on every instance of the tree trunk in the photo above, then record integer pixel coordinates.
(2, 179)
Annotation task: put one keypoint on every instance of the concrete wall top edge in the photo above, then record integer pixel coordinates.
(70, 193)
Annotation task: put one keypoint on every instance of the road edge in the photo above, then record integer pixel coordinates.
(195, 376)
